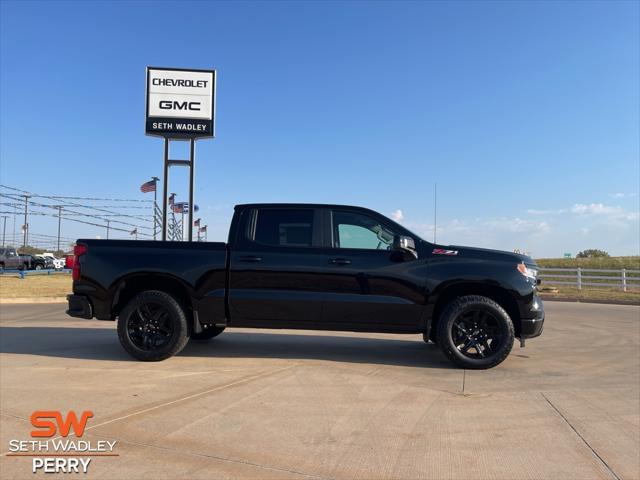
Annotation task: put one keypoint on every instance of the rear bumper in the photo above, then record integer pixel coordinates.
(79, 306)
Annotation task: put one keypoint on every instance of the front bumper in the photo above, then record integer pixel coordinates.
(533, 325)
(79, 306)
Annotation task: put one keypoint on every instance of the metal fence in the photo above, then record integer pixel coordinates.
(623, 279)
(29, 273)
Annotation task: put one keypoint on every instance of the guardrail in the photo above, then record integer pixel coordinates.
(591, 277)
(24, 273)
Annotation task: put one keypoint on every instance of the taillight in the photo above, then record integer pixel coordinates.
(78, 250)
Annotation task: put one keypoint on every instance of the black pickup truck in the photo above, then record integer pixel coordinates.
(316, 267)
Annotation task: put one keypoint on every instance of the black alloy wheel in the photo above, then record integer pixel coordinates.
(149, 327)
(475, 332)
(153, 326)
(478, 334)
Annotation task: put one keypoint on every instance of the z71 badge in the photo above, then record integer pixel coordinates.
(442, 251)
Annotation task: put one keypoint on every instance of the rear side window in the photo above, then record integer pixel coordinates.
(284, 227)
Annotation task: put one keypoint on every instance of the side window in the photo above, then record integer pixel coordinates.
(284, 227)
(357, 230)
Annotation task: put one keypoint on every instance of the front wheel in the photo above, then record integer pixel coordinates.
(153, 326)
(475, 332)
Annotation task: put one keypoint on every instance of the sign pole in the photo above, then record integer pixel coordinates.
(165, 189)
(192, 157)
(180, 105)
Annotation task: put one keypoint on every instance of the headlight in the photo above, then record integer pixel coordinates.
(527, 272)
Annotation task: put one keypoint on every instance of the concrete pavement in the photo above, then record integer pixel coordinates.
(300, 404)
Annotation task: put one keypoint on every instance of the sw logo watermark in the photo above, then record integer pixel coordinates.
(57, 447)
(41, 419)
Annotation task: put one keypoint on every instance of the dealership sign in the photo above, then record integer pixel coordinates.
(180, 102)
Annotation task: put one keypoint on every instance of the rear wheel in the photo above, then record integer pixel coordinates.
(38, 267)
(207, 333)
(475, 332)
(153, 326)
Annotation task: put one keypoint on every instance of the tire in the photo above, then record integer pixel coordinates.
(153, 326)
(207, 334)
(38, 267)
(477, 324)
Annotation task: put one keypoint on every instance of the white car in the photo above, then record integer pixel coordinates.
(58, 263)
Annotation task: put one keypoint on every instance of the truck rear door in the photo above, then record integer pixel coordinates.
(273, 266)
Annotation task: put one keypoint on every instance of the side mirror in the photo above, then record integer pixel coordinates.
(402, 243)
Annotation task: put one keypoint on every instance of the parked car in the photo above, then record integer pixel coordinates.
(10, 259)
(58, 263)
(38, 262)
(316, 267)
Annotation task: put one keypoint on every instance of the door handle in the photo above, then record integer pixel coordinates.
(250, 259)
(340, 261)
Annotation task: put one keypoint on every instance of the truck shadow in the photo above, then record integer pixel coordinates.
(99, 343)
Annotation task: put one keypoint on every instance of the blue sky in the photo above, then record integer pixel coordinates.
(525, 113)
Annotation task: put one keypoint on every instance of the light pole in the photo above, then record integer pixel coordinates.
(435, 210)
(4, 229)
(108, 229)
(26, 224)
(59, 219)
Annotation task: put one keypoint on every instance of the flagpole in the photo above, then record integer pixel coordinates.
(173, 217)
(155, 204)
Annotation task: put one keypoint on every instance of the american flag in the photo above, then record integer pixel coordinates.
(149, 186)
(203, 229)
(172, 198)
(196, 223)
(183, 207)
(180, 207)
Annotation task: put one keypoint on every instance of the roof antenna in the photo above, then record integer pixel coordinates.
(435, 210)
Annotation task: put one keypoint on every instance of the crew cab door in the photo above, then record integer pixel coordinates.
(367, 284)
(274, 261)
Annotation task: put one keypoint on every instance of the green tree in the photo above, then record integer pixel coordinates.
(592, 253)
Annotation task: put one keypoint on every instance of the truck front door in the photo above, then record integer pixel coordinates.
(367, 284)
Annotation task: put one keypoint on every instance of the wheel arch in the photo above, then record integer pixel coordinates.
(497, 293)
(130, 286)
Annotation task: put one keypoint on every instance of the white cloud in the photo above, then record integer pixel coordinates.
(533, 211)
(518, 225)
(606, 211)
(623, 195)
(397, 215)
(544, 232)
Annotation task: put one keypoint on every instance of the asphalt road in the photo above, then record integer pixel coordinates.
(298, 404)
